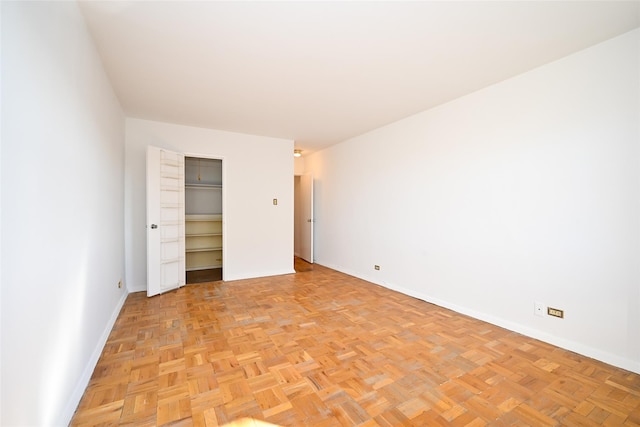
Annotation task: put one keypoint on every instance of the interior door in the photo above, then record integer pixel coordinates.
(165, 221)
(306, 203)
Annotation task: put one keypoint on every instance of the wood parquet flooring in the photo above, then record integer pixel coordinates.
(320, 348)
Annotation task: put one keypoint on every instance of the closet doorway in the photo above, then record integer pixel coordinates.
(203, 219)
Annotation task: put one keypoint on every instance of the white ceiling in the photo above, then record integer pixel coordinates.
(321, 72)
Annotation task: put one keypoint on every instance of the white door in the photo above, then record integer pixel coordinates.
(306, 203)
(165, 221)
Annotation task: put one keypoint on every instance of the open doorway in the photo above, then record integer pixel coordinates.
(203, 219)
(303, 217)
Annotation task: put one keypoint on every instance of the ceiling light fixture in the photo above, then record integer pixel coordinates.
(297, 153)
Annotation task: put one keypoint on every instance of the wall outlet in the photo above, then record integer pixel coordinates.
(376, 267)
(119, 284)
(538, 309)
(555, 312)
(275, 202)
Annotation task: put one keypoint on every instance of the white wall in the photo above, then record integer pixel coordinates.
(298, 165)
(525, 191)
(259, 235)
(62, 219)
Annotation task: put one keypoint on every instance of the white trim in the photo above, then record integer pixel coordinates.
(611, 359)
(140, 288)
(261, 274)
(81, 386)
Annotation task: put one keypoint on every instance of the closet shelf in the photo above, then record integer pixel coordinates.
(198, 218)
(204, 267)
(210, 249)
(203, 245)
(209, 186)
(203, 221)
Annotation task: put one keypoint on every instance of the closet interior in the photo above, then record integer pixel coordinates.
(203, 219)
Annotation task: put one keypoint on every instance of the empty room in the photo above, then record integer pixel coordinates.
(320, 213)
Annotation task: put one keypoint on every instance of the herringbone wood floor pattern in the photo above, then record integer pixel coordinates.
(320, 348)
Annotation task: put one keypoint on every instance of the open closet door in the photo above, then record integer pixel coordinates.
(165, 221)
(306, 203)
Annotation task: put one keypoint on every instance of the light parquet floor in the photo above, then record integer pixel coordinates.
(320, 348)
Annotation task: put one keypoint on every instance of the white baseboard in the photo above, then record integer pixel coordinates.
(74, 400)
(143, 287)
(576, 347)
(139, 288)
(564, 343)
(260, 274)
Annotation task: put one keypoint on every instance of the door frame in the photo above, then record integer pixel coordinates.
(224, 202)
